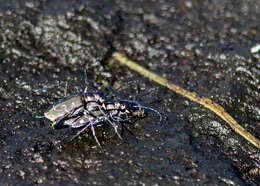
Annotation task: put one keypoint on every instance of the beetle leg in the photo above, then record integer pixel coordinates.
(80, 109)
(94, 134)
(91, 124)
(115, 128)
(111, 122)
(79, 132)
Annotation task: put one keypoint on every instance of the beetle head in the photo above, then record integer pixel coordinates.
(134, 109)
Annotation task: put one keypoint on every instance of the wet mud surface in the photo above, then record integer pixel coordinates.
(202, 46)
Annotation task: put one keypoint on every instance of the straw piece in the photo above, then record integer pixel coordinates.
(217, 109)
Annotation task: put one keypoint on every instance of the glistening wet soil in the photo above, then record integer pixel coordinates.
(202, 46)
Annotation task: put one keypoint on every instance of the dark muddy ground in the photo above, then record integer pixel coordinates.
(203, 46)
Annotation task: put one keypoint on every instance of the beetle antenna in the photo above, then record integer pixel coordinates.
(85, 76)
(66, 89)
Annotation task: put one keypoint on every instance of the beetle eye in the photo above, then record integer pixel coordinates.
(123, 107)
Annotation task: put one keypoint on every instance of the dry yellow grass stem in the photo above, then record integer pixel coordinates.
(220, 111)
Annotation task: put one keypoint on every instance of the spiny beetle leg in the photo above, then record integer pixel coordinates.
(115, 128)
(79, 132)
(94, 134)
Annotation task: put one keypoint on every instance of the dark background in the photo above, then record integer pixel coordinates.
(202, 46)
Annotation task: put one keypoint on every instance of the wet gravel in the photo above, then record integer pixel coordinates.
(202, 46)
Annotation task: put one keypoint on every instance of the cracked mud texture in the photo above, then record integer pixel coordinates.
(202, 46)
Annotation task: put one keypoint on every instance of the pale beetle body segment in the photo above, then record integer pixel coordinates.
(70, 106)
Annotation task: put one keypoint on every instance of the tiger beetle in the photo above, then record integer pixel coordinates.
(90, 109)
